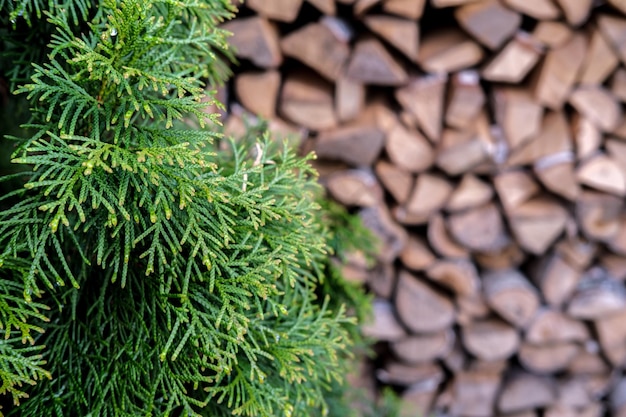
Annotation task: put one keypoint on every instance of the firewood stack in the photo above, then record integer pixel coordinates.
(484, 142)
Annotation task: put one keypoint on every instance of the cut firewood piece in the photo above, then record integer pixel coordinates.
(371, 63)
(362, 6)
(474, 393)
(424, 97)
(611, 331)
(460, 151)
(524, 391)
(558, 71)
(537, 9)
(471, 192)
(547, 359)
(416, 255)
(458, 275)
(603, 173)
(620, 130)
(518, 113)
(577, 252)
(396, 180)
(256, 39)
(316, 46)
(327, 7)
(598, 295)
(587, 136)
(514, 61)
(556, 279)
(515, 188)
(617, 244)
(449, 3)
(391, 235)
(398, 373)
(258, 92)
(429, 195)
(553, 140)
(424, 347)
(307, 100)
(511, 295)
(557, 174)
(619, 5)
(402, 34)
(420, 307)
(614, 29)
(407, 218)
(618, 84)
(471, 308)
(409, 150)
(615, 265)
(552, 34)
(573, 392)
(559, 410)
(448, 51)
(439, 238)
(537, 223)
(597, 104)
(490, 339)
(600, 61)
(576, 11)
(598, 215)
(356, 187)
(417, 399)
(349, 98)
(616, 149)
(480, 229)
(488, 21)
(355, 144)
(511, 256)
(384, 325)
(411, 9)
(282, 10)
(382, 279)
(465, 99)
(552, 326)
(588, 362)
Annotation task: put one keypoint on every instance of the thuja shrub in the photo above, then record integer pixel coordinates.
(146, 267)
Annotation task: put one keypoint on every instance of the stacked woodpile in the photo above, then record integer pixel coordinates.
(484, 142)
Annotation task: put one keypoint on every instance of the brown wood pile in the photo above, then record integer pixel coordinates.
(484, 142)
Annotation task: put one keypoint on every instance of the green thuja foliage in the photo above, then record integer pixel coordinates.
(147, 268)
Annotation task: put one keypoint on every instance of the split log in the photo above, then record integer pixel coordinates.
(598, 104)
(402, 34)
(558, 71)
(471, 308)
(518, 113)
(256, 39)
(557, 280)
(371, 63)
(551, 326)
(355, 188)
(459, 275)
(537, 224)
(547, 359)
(615, 265)
(600, 61)
(429, 195)
(588, 362)
(557, 174)
(401, 374)
(576, 11)
(514, 61)
(509, 257)
(515, 188)
(283, 10)
(411, 9)
(409, 150)
(598, 215)
(469, 193)
(603, 173)
(416, 255)
(384, 326)
(474, 393)
(587, 136)
(577, 252)
(396, 180)
(424, 348)
(392, 236)
(307, 100)
(537, 9)
(349, 98)
(618, 84)
(424, 98)
(449, 3)
(439, 238)
(362, 6)
(258, 92)
(479, 229)
(465, 99)
(316, 46)
(598, 295)
(460, 151)
(525, 391)
(417, 399)
(448, 51)
(327, 7)
(488, 21)
(355, 144)
(381, 279)
(490, 339)
(614, 29)
(552, 34)
(611, 330)
(511, 295)
(421, 308)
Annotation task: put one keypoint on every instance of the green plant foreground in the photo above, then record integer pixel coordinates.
(147, 268)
